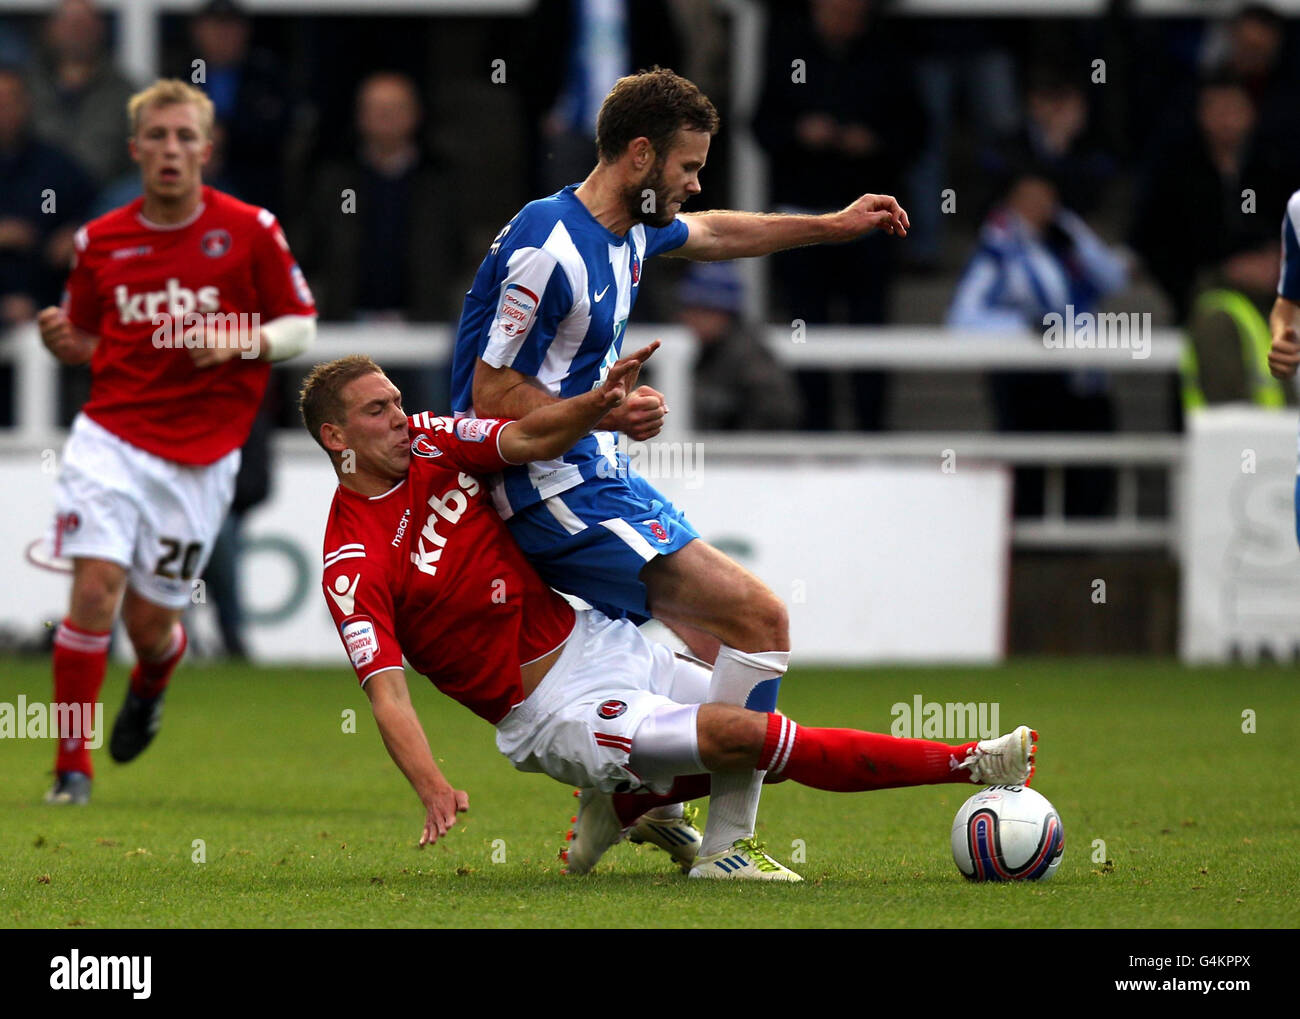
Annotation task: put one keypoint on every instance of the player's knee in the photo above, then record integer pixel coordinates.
(95, 595)
(93, 605)
(778, 623)
(766, 620)
(730, 737)
(150, 631)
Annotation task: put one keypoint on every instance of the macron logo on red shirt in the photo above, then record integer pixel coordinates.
(176, 301)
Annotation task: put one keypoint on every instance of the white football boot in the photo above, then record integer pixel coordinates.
(677, 836)
(1007, 760)
(746, 860)
(595, 829)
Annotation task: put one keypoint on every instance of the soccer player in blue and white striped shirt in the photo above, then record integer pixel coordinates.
(545, 319)
(1284, 320)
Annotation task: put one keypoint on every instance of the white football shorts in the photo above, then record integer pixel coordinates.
(156, 518)
(578, 726)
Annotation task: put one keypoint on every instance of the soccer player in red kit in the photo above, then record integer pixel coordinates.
(177, 302)
(419, 564)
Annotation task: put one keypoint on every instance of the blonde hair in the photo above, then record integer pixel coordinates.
(170, 92)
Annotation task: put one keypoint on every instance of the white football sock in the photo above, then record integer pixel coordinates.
(733, 796)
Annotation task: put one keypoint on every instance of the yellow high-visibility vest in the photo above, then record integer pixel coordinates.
(1255, 339)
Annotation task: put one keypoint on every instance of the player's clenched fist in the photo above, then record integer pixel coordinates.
(54, 326)
(441, 813)
(61, 339)
(640, 416)
(1284, 354)
(220, 348)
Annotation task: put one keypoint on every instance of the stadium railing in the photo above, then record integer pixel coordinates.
(36, 426)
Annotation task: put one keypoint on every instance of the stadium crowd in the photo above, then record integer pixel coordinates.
(392, 150)
(852, 96)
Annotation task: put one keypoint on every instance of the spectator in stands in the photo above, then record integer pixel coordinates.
(576, 50)
(1057, 136)
(1251, 50)
(380, 225)
(1226, 358)
(1036, 258)
(959, 60)
(1228, 337)
(78, 96)
(379, 241)
(838, 116)
(739, 384)
(43, 199)
(15, 46)
(251, 96)
(1210, 194)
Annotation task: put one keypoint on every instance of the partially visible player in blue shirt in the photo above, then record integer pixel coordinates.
(1284, 320)
(545, 318)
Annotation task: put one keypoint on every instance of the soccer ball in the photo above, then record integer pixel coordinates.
(1007, 833)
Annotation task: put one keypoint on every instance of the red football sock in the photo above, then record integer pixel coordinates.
(149, 678)
(80, 661)
(630, 806)
(850, 761)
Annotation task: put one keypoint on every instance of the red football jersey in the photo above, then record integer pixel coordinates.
(131, 284)
(429, 571)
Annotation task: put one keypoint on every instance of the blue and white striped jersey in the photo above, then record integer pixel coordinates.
(1289, 284)
(551, 300)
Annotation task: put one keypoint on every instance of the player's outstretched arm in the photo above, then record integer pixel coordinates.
(409, 748)
(506, 393)
(1284, 353)
(550, 431)
(719, 236)
(64, 340)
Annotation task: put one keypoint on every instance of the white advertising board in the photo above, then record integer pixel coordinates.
(1240, 563)
(889, 562)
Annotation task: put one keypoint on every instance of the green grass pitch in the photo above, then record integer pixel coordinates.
(305, 825)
